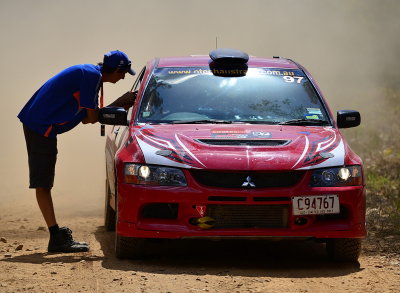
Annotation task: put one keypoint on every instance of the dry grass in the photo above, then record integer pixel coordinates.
(377, 141)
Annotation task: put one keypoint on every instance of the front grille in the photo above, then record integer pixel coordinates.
(245, 142)
(241, 180)
(249, 216)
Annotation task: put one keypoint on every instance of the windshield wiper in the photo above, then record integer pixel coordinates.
(304, 122)
(260, 122)
(202, 121)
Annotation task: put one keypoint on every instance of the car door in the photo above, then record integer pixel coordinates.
(114, 140)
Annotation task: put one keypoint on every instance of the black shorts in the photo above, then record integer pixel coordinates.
(42, 156)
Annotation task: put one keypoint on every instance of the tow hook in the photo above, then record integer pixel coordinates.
(203, 223)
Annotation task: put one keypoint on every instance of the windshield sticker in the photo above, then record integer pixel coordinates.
(316, 111)
(208, 71)
(293, 79)
(146, 114)
(312, 117)
(292, 76)
(180, 72)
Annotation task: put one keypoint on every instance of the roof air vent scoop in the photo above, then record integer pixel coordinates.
(228, 62)
(229, 56)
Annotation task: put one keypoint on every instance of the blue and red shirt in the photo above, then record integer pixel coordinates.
(61, 103)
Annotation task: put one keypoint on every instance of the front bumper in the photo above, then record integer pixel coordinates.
(195, 201)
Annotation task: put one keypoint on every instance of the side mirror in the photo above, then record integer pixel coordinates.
(348, 118)
(113, 116)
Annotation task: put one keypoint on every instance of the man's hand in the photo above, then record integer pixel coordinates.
(126, 100)
(92, 116)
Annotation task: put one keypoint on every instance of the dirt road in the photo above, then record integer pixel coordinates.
(183, 266)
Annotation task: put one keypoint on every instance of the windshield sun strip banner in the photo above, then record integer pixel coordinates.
(168, 71)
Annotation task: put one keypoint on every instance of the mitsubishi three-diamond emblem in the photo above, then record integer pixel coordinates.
(248, 182)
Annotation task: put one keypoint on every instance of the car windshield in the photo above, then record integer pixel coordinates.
(262, 95)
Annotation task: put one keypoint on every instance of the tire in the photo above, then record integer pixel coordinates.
(109, 213)
(344, 249)
(129, 247)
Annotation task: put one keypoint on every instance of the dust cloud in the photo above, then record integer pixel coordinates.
(350, 47)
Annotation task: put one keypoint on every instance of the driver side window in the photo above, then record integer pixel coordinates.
(136, 87)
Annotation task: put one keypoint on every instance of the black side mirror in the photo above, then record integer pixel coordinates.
(113, 116)
(348, 118)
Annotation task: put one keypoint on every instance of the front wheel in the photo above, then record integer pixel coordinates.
(344, 249)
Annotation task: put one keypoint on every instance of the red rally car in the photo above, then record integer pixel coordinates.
(231, 146)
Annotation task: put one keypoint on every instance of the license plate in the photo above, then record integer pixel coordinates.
(315, 205)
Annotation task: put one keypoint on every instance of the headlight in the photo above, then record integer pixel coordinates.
(339, 176)
(153, 175)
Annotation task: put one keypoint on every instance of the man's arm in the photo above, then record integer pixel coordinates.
(92, 116)
(126, 100)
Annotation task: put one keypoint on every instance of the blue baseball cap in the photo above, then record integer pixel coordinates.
(118, 60)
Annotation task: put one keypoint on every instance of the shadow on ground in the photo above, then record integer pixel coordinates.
(40, 258)
(291, 259)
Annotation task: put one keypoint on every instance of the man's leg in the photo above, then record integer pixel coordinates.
(45, 202)
(60, 238)
(42, 156)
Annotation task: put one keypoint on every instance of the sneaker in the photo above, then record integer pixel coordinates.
(63, 242)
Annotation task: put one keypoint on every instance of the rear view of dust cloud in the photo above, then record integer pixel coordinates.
(350, 47)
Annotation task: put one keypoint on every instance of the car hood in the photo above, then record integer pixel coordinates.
(240, 147)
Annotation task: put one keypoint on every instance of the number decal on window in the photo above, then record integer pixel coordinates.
(296, 79)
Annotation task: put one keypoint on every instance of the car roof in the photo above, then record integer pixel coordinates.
(200, 60)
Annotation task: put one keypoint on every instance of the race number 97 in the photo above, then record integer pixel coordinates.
(296, 79)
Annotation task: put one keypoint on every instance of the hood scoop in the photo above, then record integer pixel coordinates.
(245, 142)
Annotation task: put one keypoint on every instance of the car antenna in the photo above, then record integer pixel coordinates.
(216, 42)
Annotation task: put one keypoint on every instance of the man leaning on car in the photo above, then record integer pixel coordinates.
(65, 100)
